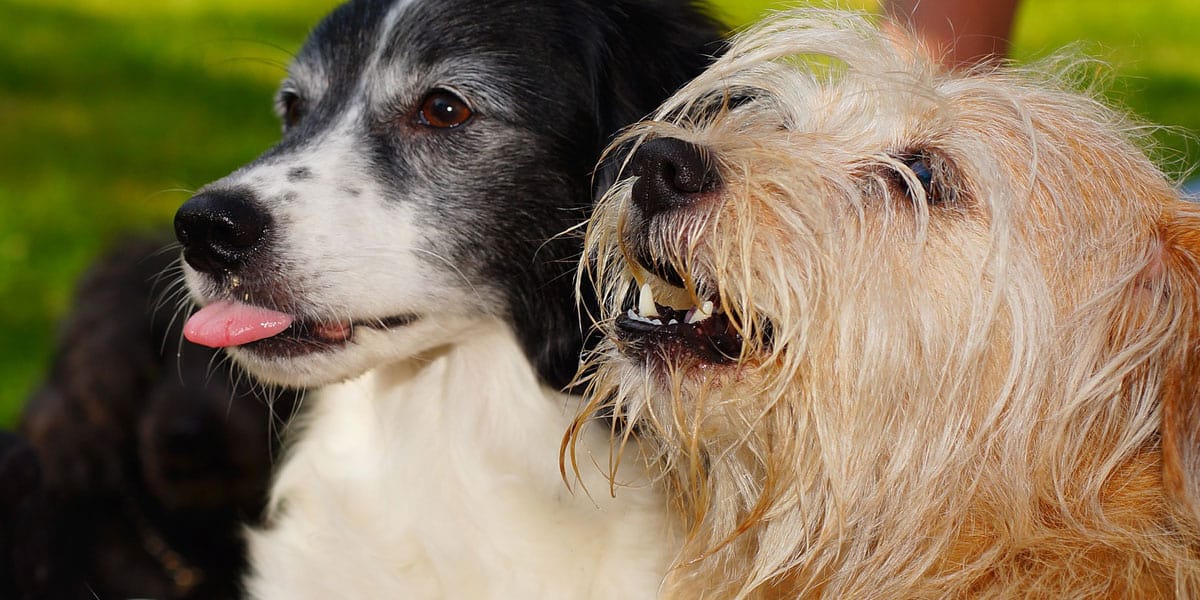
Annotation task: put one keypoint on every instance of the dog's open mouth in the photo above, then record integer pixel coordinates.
(267, 332)
(652, 330)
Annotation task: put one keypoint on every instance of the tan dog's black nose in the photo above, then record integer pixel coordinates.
(219, 230)
(672, 174)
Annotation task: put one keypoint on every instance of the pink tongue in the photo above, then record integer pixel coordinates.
(228, 323)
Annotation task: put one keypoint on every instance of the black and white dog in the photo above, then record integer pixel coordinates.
(404, 246)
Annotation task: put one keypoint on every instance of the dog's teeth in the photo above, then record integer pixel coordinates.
(632, 314)
(697, 315)
(646, 302)
(672, 322)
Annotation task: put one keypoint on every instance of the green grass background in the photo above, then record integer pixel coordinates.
(112, 110)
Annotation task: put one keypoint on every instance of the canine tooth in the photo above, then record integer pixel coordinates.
(646, 302)
(697, 315)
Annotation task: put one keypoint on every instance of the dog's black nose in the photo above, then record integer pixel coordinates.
(219, 230)
(671, 174)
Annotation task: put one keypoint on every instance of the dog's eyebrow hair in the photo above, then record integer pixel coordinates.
(391, 43)
(364, 22)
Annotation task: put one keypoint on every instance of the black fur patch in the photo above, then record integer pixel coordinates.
(299, 174)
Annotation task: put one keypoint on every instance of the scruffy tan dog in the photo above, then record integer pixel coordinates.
(903, 333)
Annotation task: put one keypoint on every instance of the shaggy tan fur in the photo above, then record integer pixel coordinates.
(983, 387)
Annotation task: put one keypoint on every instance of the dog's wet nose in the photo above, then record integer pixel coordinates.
(219, 230)
(672, 173)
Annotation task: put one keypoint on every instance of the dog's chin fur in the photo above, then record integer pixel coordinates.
(368, 349)
(979, 383)
(441, 259)
(437, 478)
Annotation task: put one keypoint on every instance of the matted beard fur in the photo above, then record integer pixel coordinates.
(969, 328)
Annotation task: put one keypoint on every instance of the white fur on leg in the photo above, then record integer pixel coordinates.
(437, 478)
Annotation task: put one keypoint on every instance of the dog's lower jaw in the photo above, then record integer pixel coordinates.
(369, 347)
(436, 477)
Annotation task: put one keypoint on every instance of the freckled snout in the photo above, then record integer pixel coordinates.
(220, 230)
(672, 174)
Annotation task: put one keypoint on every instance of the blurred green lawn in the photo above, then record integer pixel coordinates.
(111, 110)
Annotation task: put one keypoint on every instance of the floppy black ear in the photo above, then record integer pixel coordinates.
(651, 51)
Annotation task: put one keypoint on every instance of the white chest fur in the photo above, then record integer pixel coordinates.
(438, 478)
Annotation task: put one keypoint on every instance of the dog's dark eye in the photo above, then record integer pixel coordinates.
(923, 172)
(443, 110)
(739, 99)
(291, 109)
(920, 169)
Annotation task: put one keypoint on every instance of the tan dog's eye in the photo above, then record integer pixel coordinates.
(442, 109)
(919, 170)
(923, 172)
